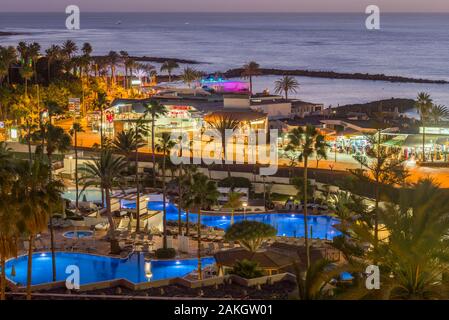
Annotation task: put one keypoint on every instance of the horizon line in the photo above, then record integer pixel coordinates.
(234, 12)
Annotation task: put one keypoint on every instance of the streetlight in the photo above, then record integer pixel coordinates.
(244, 204)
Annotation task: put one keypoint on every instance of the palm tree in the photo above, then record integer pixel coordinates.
(384, 167)
(186, 196)
(204, 193)
(8, 56)
(222, 124)
(306, 142)
(52, 53)
(127, 142)
(76, 128)
(249, 70)
(164, 147)
(34, 53)
(10, 223)
(190, 75)
(424, 105)
(169, 66)
(438, 113)
(26, 72)
(287, 84)
(69, 48)
(124, 55)
(56, 140)
(35, 193)
(234, 202)
(105, 172)
(113, 59)
(154, 109)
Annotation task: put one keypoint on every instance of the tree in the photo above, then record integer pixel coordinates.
(26, 72)
(8, 56)
(234, 202)
(105, 172)
(169, 66)
(69, 48)
(36, 194)
(250, 234)
(286, 85)
(246, 269)
(306, 142)
(424, 105)
(384, 167)
(190, 75)
(154, 110)
(52, 53)
(113, 59)
(164, 147)
(76, 128)
(56, 140)
(413, 256)
(249, 70)
(11, 225)
(222, 124)
(125, 143)
(204, 193)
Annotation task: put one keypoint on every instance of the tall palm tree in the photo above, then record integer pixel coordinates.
(126, 143)
(113, 59)
(424, 105)
(56, 139)
(190, 75)
(154, 110)
(186, 197)
(26, 72)
(34, 53)
(234, 202)
(437, 114)
(222, 124)
(204, 193)
(8, 55)
(52, 53)
(124, 56)
(169, 66)
(286, 85)
(36, 194)
(76, 128)
(306, 142)
(105, 172)
(10, 222)
(69, 48)
(164, 147)
(250, 70)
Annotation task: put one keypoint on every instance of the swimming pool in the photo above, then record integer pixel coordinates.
(95, 268)
(78, 234)
(287, 224)
(93, 195)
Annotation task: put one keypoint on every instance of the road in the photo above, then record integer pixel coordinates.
(344, 161)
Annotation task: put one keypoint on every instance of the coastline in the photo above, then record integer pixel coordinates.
(234, 73)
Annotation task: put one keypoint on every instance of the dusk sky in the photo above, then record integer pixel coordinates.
(228, 5)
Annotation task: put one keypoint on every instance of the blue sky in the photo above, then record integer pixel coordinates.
(228, 5)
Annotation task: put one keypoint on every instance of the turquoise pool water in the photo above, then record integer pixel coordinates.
(93, 195)
(95, 268)
(78, 234)
(287, 224)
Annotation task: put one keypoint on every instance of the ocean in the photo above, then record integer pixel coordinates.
(410, 45)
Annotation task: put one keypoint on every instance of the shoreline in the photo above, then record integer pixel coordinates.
(236, 73)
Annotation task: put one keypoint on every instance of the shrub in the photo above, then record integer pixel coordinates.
(250, 234)
(168, 253)
(246, 269)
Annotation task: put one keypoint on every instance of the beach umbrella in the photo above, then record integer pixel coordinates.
(84, 198)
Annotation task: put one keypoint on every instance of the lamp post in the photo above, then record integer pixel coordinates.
(244, 204)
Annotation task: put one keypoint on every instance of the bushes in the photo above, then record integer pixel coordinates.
(168, 253)
(246, 269)
(250, 234)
